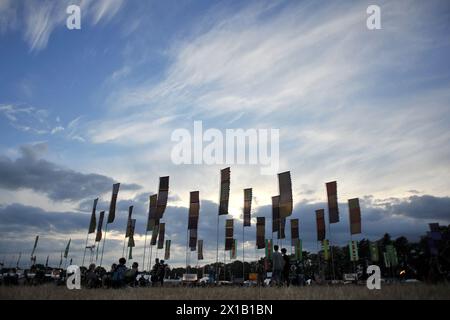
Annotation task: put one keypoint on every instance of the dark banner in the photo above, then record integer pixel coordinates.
(229, 234)
(93, 222)
(320, 222)
(200, 250)
(224, 191)
(162, 230)
(294, 231)
(163, 194)
(154, 235)
(260, 232)
(247, 207)
(281, 231)
(333, 210)
(128, 230)
(151, 221)
(112, 205)
(98, 236)
(193, 239)
(355, 216)
(194, 209)
(275, 214)
(285, 188)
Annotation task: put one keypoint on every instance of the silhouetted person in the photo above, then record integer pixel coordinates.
(277, 266)
(155, 272)
(118, 278)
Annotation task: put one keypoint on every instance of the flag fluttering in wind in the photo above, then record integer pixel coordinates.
(35, 245)
(194, 210)
(46, 262)
(353, 248)
(66, 252)
(162, 230)
(200, 250)
(112, 205)
(233, 250)
(275, 214)
(298, 249)
(228, 234)
(333, 209)
(354, 215)
(247, 207)
(224, 191)
(320, 222)
(151, 221)
(285, 188)
(131, 235)
(128, 231)
(167, 250)
(98, 236)
(294, 231)
(193, 239)
(260, 232)
(163, 194)
(93, 222)
(155, 232)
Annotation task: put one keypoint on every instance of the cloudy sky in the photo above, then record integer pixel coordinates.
(82, 109)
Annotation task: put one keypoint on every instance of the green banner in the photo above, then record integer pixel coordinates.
(298, 250)
(326, 249)
(353, 248)
(374, 255)
(391, 254)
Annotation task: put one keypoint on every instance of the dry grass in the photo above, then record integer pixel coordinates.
(348, 292)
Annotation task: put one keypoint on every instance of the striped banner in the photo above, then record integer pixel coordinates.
(194, 209)
(229, 234)
(224, 190)
(247, 207)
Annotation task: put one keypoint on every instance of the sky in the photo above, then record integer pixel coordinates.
(83, 109)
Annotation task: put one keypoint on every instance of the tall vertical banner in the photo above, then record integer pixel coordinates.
(269, 249)
(66, 252)
(98, 236)
(247, 207)
(281, 233)
(162, 230)
(151, 221)
(333, 210)
(167, 252)
(200, 250)
(285, 188)
(275, 214)
(354, 216)
(228, 234)
(233, 250)
(193, 239)
(298, 250)
(353, 248)
(155, 232)
(35, 245)
(294, 231)
(163, 194)
(128, 231)
(131, 235)
(260, 232)
(320, 222)
(326, 249)
(224, 191)
(93, 221)
(112, 205)
(374, 253)
(194, 209)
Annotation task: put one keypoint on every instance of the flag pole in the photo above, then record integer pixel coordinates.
(217, 249)
(85, 247)
(331, 249)
(145, 248)
(243, 252)
(104, 240)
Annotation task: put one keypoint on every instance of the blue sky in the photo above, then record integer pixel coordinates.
(368, 108)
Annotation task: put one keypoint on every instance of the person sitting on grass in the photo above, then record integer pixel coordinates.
(118, 277)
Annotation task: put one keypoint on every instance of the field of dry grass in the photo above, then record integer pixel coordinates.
(348, 292)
